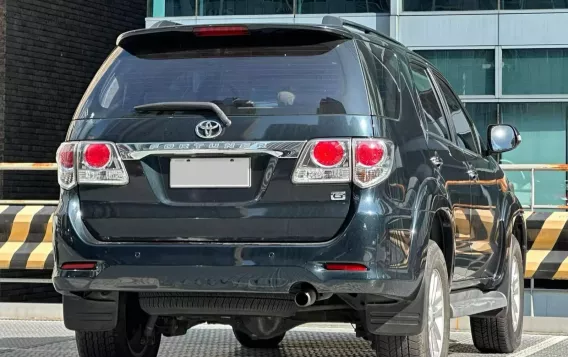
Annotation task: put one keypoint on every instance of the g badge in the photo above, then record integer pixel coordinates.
(338, 196)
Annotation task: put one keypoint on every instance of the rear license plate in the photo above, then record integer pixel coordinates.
(210, 172)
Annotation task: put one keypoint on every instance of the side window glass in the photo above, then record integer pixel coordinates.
(465, 133)
(430, 105)
(387, 80)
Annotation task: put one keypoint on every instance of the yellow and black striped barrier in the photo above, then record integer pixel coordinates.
(26, 237)
(547, 256)
(26, 240)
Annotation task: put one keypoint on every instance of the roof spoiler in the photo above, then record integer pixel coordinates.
(328, 21)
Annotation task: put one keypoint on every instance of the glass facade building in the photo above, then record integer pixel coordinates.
(507, 59)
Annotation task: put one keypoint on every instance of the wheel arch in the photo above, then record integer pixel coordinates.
(434, 220)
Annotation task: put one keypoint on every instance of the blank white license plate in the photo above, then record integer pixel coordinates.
(210, 172)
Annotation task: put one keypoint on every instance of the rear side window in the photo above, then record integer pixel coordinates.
(464, 128)
(248, 79)
(383, 65)
(430, 105)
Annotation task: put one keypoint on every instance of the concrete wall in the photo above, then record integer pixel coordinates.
(49, 52)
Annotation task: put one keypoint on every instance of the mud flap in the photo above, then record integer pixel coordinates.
(81, 314)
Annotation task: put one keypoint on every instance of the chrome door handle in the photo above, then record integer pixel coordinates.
(437, 161)
(473, 175)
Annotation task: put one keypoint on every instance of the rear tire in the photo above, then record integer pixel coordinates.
(504, 334)
(248, 342)
(437, 316)
(124, 340)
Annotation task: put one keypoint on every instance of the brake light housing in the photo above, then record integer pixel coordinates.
(324, 160)
(220, 31)
(93, 163)
(373, 161)
(365, 162)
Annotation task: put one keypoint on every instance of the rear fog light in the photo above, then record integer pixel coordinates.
(79, 266)
(345, 267)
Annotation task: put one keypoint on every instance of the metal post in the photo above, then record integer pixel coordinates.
(532, 189)
(532, 297)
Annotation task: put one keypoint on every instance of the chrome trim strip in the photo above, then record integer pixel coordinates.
(279, 149)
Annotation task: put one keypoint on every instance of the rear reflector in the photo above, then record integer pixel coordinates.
(345, 267)
(211, 31)
(79, 266)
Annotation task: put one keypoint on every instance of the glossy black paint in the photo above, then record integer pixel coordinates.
(272, 209)
(271, 238)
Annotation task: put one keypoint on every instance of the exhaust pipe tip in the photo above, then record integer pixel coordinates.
(305, 298)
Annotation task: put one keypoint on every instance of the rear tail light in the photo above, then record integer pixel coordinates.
(366, 162)
(328, 153)
(97, 156)
(373, 161)
(96, 163)
(326, 160)
(211, 31)
(65, 159)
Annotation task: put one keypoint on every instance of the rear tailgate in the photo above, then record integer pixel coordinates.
(195, 177)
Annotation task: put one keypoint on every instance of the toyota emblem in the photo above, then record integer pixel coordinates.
(208, 129)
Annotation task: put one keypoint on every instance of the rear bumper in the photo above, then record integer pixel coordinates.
(246, 268)
(258, 269)
(257, 279)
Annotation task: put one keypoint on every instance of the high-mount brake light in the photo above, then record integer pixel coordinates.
(93, 163)
(366, 162)
(213, 31)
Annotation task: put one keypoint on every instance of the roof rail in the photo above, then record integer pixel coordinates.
(339, 22)
(165, 23)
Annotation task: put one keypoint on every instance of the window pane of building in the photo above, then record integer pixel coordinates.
(482, 115)
(533, 4)
(468, 71)
(179, 7)
(535, 71)
(449, 5)
(342, 6)
(543, 129)
(244, 7)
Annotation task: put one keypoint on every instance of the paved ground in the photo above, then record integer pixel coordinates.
(51, 339)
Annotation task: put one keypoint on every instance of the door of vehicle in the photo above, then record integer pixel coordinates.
(449, 161)
(485, 187)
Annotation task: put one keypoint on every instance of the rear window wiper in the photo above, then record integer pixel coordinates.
(185, 106)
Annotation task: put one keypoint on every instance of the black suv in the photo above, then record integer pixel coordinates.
(266, 176)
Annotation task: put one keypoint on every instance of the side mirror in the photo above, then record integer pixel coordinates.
(502, 138)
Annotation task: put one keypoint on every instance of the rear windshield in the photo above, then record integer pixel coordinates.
(308, 79)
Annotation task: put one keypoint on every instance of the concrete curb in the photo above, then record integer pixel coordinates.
(31, 311)
(54, 312)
